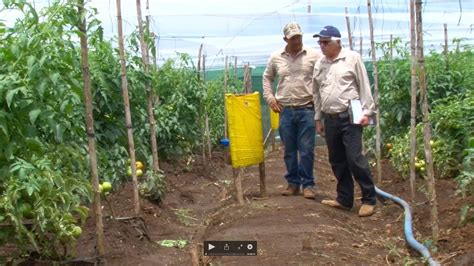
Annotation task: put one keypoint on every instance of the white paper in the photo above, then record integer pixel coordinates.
(355, 111)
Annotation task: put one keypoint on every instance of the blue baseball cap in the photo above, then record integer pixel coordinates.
(327, 32)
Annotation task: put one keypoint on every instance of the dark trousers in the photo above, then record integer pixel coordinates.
(344, 141)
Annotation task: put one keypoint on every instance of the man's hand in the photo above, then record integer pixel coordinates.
(364, 121)
(320, 128)
(275, 106)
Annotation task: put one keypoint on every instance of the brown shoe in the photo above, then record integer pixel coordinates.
(366, 210)
(291, 191)
(309, 193)
(335, 204)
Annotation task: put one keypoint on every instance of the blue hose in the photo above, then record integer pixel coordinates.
(408, 227)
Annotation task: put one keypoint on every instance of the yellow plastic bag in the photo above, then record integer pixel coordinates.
(244, 116)
(274, 119)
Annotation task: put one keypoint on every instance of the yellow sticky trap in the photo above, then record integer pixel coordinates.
(244, 116)
(274, 119)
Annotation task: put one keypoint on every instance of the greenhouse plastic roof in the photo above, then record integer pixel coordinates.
(251, 30)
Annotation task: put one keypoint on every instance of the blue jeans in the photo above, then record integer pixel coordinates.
(297, 133)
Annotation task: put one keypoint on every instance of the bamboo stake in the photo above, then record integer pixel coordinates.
(361, 48)
(149, 90)
(199, 61)
(204, 67)
(349, 33)
(376, 95)
(391, 47)
(126, 102)
(235, 68)
(236, 174)
(445, 39)
(226, 76)
(391, 54)
(261, 174)
(225, 91)
(99, 226)
(413, 100)
(207, 132)
(426, 124)
(203, 138)
(446, 45)
(247, 78)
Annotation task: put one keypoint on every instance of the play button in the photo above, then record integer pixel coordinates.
(210, 246)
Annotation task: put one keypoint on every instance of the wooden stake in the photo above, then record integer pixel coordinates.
(376, 95)
(203, 138)
(149, 90)
(446, 45)
(235, 68)
(414, 84)
(361, 49)
(247, 78)
(391, 47)
(225, 92)
(207, 132)
(99, 226)
(261, 172)
(426, 124)
(445, 39)
(349, 33)
(199, 61)
(203, 67)
(128, 117)
(226, 76)
(238, 185)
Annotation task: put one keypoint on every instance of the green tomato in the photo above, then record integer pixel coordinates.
(27, 211)
(106, 187)
(76, 231)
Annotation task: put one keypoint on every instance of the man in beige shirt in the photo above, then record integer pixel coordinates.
(293, 99)
(339, 77)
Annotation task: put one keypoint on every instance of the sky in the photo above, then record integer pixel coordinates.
(250, 30)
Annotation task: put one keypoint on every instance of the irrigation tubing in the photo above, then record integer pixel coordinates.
(408, 227)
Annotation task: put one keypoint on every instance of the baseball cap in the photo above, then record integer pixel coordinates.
(328, 31)
(291, 29)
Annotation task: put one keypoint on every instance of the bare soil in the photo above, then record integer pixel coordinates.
(201, 205)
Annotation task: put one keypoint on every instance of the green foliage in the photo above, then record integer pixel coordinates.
(180, 107)
(450, 88)
(48, 198)
(43, 167)
(449, 136)
(466, 178)
(449, 75)
(153, 187)
(215, 98)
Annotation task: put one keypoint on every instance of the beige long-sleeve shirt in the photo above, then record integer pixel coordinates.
(338, 81)
(295, 82)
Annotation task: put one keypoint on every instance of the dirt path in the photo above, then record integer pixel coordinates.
(295, 230)
(201, 205)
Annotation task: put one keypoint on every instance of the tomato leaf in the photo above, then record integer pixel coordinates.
(34, 115)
